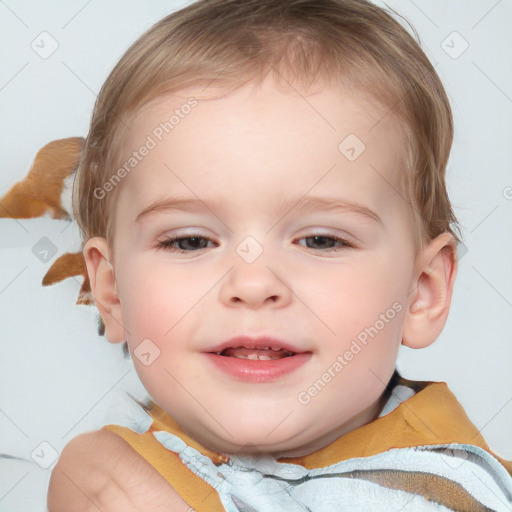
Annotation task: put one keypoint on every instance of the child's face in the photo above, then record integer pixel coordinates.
(256, 153)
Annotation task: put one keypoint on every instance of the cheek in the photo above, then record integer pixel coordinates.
(161, 302)
(362, 313)
(355, 295)
(150, 300)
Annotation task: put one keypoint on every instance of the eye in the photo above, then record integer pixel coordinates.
(326, 241)
(185, 244)
(195, 242)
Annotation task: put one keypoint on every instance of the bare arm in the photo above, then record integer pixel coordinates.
(99, 471)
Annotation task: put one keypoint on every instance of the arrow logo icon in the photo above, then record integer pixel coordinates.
(351, 147)
(249, 249)
(454, 45)
(146, 352)
(44, 250)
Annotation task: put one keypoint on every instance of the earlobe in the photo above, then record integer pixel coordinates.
(103, 286)
(431, 297)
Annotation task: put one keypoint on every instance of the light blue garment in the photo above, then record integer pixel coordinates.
(262, 484)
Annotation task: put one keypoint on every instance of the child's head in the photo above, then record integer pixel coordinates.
(250, 109)
(349, 42)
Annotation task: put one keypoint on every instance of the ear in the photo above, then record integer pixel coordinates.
(432, 293)
(103, 287)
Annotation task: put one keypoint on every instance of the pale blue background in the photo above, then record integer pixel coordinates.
(58, 378)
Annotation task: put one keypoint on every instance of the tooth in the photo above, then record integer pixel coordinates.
(257, 356)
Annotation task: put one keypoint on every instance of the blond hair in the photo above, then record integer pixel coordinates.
(230, 42)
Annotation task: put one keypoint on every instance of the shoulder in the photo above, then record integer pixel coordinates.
(83, 468)
(99, 450)
(100, 464)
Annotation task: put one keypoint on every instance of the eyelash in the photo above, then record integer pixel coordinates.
(168, 243)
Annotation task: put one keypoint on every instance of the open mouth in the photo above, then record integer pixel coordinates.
(259, 354)
(257, 360)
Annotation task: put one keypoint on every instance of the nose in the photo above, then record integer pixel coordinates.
(255, 285)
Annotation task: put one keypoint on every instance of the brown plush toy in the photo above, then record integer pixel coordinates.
(47, 188)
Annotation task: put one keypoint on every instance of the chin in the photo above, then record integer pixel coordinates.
(257, 440)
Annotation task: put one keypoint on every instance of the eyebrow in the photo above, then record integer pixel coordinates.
(298, 204)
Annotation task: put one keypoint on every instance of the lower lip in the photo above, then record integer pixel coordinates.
(251, 370)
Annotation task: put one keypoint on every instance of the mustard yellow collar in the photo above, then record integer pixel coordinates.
(432, 416)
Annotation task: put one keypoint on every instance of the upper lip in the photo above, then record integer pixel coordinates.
(255, 343)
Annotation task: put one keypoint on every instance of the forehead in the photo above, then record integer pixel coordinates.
(328, 106)
(264, 138)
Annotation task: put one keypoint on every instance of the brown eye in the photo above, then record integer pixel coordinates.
(184, 243)
(322, 242)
